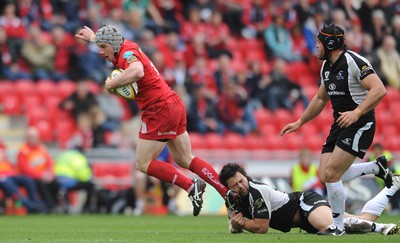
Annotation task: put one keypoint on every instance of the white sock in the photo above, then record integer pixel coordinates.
(378, 203)
(359, 169)
(337, 199)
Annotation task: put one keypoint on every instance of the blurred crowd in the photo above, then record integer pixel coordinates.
(224, 58)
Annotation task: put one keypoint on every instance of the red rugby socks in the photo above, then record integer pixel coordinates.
(168, 173)
(207, 173)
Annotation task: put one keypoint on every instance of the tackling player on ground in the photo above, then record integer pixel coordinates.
(256, 207)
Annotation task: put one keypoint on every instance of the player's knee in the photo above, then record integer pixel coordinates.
(142, 166)
(331, 175)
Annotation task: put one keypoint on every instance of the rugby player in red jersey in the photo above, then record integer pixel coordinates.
(163, 115)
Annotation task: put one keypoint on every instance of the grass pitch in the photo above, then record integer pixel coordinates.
(119, 228)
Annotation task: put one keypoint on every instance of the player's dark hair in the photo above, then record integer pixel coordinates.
(332, 38)
(229, 170)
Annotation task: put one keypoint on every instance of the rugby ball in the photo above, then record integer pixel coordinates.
(128, 91)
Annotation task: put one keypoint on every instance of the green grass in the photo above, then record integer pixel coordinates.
(119, 228)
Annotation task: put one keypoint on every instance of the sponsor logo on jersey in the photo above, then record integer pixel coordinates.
(346, 141)
(340, 75)
(365, 70)
(258, 203)
(129, 56)
(264, 210)
(332, 86)
(144, 128)
(166, 133)
(326, 75)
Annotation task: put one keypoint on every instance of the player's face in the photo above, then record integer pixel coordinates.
(239, 183)
(106, 51)
(320, 48)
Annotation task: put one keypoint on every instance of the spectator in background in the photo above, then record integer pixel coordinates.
(165, 71)
(389, 62)
(172, 48)
(200, 75)
(376, 151)
(365, 15)
(74, 173)
(10, 183)
(380, 27)
(14, 28)
(202, 112)
(112, 109)
(195, 48)
(255, 18)
(135, 25)
(39, 53)
(10, 67)
(147, 42)
(304, 174)
(232, 110)
(83, 100)
(282, 92)
(279, 41)
(88, 116)
(348, 7)
(63, 42)
(192, 26)
(217, 36)
(34, 161)
(254, 85)
(171, 12)
(224, 74)
(396, 30)
(150, 15)
(85, 62)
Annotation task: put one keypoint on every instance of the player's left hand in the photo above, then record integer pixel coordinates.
(237, 221)
(347, 118)
(108, 87)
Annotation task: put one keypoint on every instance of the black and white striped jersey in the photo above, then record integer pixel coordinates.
(342, 81)
(266, 202)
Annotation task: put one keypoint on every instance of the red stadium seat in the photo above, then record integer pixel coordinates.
(254, 142)
(197, 140)
(37, 114)
(11, 104)
(46, 88)
(66, 88)
(293, 142)
(45, 130)
(234, 141)
(213, 141)
(24, 87)
(282, 117)
(29, 102)
(7, 87)
(263, 116)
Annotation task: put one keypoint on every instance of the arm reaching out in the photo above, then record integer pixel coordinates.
(86, 34)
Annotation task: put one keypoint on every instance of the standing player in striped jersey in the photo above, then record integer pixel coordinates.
(354, 89)
(163, 115)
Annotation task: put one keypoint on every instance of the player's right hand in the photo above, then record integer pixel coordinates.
(85, 34)
(291, 127)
